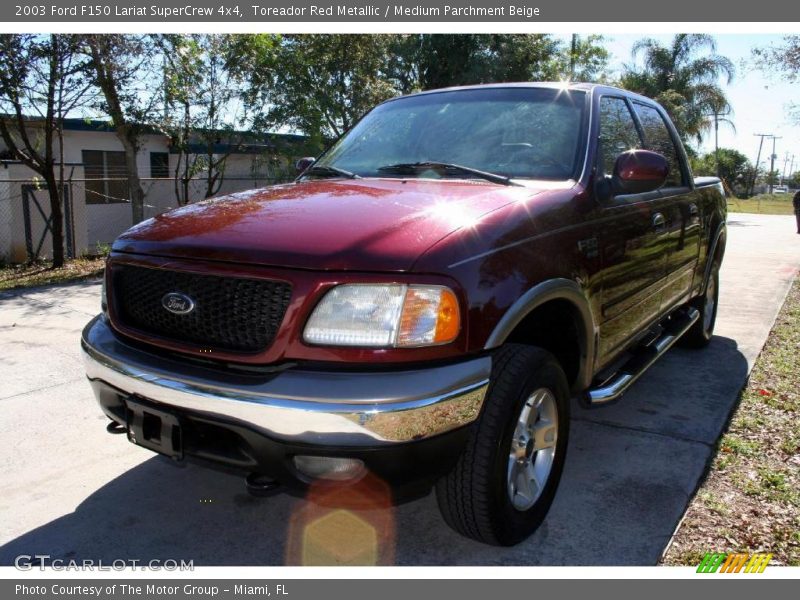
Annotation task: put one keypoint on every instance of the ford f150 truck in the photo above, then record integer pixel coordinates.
(422, 303)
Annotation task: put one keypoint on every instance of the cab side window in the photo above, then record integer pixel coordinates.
(618, 132)
(658, 139)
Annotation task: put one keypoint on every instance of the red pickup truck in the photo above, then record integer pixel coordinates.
(422, 303)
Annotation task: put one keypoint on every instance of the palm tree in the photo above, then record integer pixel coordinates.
(684, 78)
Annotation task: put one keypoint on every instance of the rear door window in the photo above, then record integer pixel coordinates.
(658, 139)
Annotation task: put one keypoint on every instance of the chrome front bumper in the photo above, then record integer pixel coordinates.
(326, 408)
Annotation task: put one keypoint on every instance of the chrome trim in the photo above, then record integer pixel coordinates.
(618, 384)
(314, 407)
(532, 449)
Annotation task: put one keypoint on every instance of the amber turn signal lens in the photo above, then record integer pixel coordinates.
(430, 316)
(448, 322)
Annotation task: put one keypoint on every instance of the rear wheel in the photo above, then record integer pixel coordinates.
(504, 482)
(700, 334)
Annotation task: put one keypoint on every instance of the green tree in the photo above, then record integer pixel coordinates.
(734, 167)
(42, 79)
(446, 60)
(784, 59)
(431, 61)
(200, 98)
(123, 70)
(319, 85)
(772, 177)
(684, 77)
(585, 60)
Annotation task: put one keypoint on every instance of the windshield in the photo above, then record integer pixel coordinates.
(515, 132)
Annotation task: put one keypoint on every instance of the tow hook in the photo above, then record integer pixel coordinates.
(115, 428)
(261, 485)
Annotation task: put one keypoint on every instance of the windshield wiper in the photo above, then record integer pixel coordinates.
(432, 164)
(329, 171)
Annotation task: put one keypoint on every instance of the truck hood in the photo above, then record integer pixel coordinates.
(364, 225)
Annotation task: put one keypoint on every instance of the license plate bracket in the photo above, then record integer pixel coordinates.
(153, 428)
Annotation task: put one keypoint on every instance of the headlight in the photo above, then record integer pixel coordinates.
(395, 315)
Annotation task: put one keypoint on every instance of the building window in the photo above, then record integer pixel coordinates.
(159, 164)
(106, 177)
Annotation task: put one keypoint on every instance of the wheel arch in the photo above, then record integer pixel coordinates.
(546, 308)
(715, 248)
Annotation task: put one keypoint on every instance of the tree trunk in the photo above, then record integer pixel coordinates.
(211, 183)
(63, 199)
(53, 191)
(126, 132)
(129, 141)
(187, 132)
(56, 219)
(185, 181)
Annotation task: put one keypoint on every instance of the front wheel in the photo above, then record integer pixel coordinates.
(505, 480)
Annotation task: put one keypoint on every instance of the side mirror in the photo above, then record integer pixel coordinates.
(302, 164)
(639, 171)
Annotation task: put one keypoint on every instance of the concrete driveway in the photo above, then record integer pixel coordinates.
(72, 491)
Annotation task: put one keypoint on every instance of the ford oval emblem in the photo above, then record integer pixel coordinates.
(177, 303)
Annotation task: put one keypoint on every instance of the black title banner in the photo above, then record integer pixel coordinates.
(490, 11)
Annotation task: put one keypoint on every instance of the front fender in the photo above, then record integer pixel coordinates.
(538, 295)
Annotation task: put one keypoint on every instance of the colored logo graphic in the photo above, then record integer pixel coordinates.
(719, 562)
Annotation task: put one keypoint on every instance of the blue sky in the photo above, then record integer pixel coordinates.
(759, 101)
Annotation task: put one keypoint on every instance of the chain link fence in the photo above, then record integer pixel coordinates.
(95, 211)
(8, 198)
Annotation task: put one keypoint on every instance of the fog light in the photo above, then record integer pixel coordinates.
(330, 468)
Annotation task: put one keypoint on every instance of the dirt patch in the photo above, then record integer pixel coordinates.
(41, 273)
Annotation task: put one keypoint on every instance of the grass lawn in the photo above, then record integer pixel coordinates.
(766, 204)
(750, 499)
(41, 273)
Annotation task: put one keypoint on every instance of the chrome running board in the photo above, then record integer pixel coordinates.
(643, 358)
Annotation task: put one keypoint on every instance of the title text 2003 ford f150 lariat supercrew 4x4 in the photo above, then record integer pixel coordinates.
(421, 303)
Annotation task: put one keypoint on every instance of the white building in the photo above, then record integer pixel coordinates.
(97, 208)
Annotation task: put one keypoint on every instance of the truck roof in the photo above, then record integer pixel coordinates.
(578, 86)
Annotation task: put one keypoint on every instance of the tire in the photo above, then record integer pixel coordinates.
(475, 498)
(699, 335)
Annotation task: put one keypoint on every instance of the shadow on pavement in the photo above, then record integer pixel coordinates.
(631, 470)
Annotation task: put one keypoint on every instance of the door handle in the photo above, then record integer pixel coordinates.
(694, 213)
(659, 222)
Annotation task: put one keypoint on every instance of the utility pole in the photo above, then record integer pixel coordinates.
(758, 160)
(772, 163)
(789, 156)
(716, 142)
(785, 162)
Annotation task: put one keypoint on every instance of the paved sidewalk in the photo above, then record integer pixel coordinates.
(74, 492)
